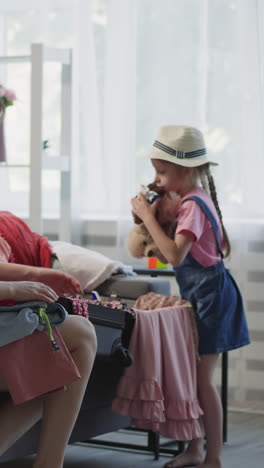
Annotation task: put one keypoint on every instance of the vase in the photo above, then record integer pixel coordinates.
(2, 143)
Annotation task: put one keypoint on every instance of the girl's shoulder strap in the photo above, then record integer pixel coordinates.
(202, 204)
(211, 218)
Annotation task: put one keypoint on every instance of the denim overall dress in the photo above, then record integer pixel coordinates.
(215, 298)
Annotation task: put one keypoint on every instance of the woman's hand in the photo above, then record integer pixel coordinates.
(62, 283)
(142, 208)
(23, 291)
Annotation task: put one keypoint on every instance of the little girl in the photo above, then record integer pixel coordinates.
(196, 253)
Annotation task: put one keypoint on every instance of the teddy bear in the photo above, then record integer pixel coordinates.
(139, 241)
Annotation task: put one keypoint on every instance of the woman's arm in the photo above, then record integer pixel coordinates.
(15, 272)
(60, 282)
(21, 291)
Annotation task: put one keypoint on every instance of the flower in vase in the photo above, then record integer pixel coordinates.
(7, 96)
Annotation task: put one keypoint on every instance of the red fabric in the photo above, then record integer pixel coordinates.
(28, 248)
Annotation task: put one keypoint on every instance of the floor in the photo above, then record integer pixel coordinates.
(245, 448)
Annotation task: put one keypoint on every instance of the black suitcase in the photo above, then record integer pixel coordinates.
(113, 329)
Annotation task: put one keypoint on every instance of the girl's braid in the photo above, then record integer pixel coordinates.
(208, 184)
(212, 189)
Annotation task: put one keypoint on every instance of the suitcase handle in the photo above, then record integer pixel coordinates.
(121, 353)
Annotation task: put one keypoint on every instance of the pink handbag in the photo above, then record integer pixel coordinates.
(32, 367)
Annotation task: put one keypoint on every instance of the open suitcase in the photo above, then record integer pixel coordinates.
(113, 330)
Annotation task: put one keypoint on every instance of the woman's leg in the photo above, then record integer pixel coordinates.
(16, 419)
(60, 409)
(212, 420)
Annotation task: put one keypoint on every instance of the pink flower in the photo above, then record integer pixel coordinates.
(2, 91)
(10, 95)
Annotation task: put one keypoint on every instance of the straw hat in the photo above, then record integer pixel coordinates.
(181, 145)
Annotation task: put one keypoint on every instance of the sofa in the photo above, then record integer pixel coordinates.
(96, 417)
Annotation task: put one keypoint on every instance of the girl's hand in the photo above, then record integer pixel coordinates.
(23, 291)
(62, 283)
(142, 208)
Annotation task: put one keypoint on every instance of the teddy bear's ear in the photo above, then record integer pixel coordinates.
(135, 243)
(136, 219)
(141, 227)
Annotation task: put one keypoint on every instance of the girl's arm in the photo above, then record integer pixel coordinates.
(60, 282)
(175, 250)
(161, 258)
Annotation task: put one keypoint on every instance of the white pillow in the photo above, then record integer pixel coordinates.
(90, 268)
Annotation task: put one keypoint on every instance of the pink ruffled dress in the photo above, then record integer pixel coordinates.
(158, 391)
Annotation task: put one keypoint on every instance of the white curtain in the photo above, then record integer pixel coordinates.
(148, 63)
(140, 65)
(107, 48)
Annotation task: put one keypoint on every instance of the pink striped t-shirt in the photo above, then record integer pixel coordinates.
(193, 221)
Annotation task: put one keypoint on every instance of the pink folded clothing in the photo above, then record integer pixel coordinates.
(31, 367)
(158, 391)
(152, 301)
